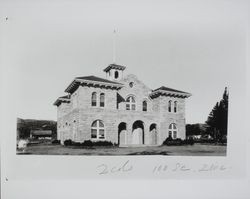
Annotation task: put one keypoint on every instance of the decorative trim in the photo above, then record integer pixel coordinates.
(76, 82)
(169, 93)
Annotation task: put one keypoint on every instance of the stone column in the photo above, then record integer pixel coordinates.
(146, 134)
(129, 134)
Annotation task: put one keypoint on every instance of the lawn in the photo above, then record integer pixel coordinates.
(186, 150)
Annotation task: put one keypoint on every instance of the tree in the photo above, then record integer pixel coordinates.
(195, 129)
(218, 119)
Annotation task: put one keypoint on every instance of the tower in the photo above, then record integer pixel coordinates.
(114, 72)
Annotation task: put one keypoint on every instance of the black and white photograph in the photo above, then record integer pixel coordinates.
(119, 115)
(124, 90)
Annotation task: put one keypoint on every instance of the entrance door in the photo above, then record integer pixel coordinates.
(122, 134)
(137, 136)
(153, 134)
(138, 133)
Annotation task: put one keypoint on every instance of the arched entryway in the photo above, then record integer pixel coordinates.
(122, 134)
(153, 134)
(138, 133)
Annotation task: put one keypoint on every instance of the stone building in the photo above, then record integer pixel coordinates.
(120, 109)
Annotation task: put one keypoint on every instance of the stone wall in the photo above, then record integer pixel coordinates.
(139, 90)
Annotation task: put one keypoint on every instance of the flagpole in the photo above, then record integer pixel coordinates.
(114, 46)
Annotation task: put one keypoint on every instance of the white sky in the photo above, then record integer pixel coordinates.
(194, 46)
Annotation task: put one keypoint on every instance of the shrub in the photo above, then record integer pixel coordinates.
(188, 142)
(55, 142)
(88, 143)
(177, 142)
(103, 143)
(68, 142)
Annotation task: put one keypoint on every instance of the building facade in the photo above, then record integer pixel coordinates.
(120, 109)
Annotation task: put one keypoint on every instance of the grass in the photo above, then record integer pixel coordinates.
(188, 150)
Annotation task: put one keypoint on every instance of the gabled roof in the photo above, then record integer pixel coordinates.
(92, 81)
(65, 97)
(169, 89)
(61, 99)
(97, 79)
(169, 92)
(114, 66)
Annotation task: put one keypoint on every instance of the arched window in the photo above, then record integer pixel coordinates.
(169, 105)
(102, 100)
(130, 103)
(172, 131)
(116, 74)
(93, 99)
(175, 106)
(144, 106)
(97, 130)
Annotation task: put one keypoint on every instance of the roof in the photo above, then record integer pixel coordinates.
(97, 79)
(114, 66)
(92, 81)
(169, 89)
(165, 91)
(61, 99)
(65, 97)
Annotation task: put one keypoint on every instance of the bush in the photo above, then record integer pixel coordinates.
(88, 143)
(103, 143)
(56, 142)
(177, 142)
(68, 142)
(188, 142)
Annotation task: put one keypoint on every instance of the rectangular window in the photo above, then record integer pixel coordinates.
(133, 106)
(175, 134)
(102, 99)
(93, 133)
(101, 134)
(93, 99)
(127, 107)
(169, 134)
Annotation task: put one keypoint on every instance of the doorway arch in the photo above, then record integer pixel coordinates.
(153, 134)
(122, 134)
(138, 133)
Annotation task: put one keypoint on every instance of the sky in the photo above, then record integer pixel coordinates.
(194, 46)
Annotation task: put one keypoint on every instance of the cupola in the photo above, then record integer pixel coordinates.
(114, 72)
